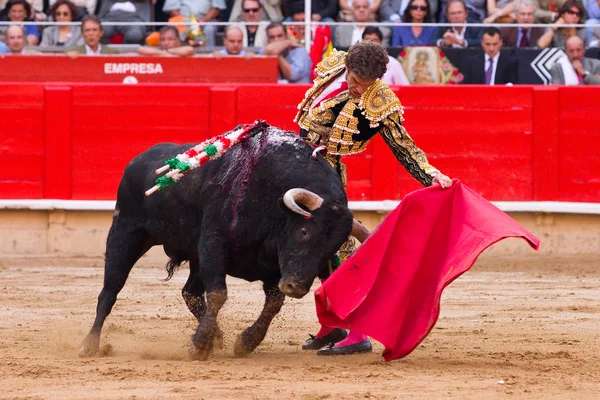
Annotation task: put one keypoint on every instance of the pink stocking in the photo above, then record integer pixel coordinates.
(353, 338)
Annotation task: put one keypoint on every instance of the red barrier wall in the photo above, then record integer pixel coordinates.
(72, 141)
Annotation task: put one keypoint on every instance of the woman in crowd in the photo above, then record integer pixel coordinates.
(63, 11)
(417, 11)
(572, 12)
(20, 11)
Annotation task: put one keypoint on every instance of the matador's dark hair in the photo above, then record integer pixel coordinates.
(367, 60)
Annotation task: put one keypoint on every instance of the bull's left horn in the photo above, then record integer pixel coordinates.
(359, 231)
(311, 200)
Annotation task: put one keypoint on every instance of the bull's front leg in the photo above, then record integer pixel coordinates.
(211, 272)
(248, 340)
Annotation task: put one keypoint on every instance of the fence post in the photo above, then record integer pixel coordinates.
(546, 109)
(57, 142)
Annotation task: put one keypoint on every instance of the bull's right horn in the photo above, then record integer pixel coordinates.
(359, 231)
(311, 200)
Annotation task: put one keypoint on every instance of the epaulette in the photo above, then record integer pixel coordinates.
(335, 62)
(378, 102)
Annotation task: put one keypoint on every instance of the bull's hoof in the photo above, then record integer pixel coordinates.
(247, 341)
(89, 347)
(200, 353)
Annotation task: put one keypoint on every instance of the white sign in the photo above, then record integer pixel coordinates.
(133, 68)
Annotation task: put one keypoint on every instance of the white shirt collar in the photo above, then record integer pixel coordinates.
(90, 52)
(494, 60)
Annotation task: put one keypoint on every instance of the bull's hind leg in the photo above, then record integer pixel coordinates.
(124, 247)
(193, 295)
(211, 272)
(248, 340)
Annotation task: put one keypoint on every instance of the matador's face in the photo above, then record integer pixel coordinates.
(357, 85)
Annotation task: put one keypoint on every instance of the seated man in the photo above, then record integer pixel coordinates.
(493, 66)
(522, 36)
(202, 10)
(575, 69)
(294, 62)
(91, 30)
(15, 37)
(395, 74)
(458, 35)
(347, 35)
(170, 45)
(122, 11)
(233, 41)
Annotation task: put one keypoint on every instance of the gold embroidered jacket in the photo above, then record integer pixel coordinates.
(345, 125)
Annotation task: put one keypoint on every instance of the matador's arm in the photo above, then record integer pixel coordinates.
(406, 151)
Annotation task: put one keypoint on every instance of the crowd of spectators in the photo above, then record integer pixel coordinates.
(262, 27)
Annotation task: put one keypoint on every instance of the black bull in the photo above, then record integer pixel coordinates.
(266, 210)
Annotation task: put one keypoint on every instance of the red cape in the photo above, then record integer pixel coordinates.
(390, 288)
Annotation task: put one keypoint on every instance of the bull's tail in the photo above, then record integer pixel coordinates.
(172, 265)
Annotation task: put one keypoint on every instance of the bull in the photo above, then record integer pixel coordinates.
(267, 210)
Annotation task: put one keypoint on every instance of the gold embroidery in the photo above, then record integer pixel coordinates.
(378, 102)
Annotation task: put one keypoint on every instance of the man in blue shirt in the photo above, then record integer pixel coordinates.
(294, 61)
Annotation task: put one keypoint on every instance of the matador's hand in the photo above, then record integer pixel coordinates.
(442, 180)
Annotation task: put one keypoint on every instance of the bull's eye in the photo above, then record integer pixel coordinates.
(304, 232)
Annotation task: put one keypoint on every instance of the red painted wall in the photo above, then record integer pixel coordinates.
(72, 141)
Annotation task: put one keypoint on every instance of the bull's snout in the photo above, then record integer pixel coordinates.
(295, 290)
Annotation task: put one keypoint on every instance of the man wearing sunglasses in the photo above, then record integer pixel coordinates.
(254, 34)
(346, 107)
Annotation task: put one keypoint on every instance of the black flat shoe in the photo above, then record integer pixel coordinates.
(356, 348)
(315, 343)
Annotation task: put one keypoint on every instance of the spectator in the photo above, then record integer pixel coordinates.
(15, 38)
(20, 11)
(593, 11)
(62, 35)
(575, 69)
(3, 48)
(271, 11)
(322, 10)
(500, 11)
(395, 74)
(391, 10)
(346, 10)
(493, 66)
(170, 45)
(91, 29)
(202, 10)
(294, 62)
(84, 7)
(572, 12)
(458, 35)
(477, 10)
(417, 11)
(234, 44)
(254, 35)
(522, 36)
(346, 35)
(121, 11)
(545, 11)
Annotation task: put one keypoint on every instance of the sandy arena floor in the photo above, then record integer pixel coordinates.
(509, 328)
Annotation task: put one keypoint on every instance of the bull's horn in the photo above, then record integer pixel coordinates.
(311, 200)
(359, 231)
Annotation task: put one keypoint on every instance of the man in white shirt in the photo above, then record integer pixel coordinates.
(91, 30)
(395, 74)
(347, 35)
(458, 35)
